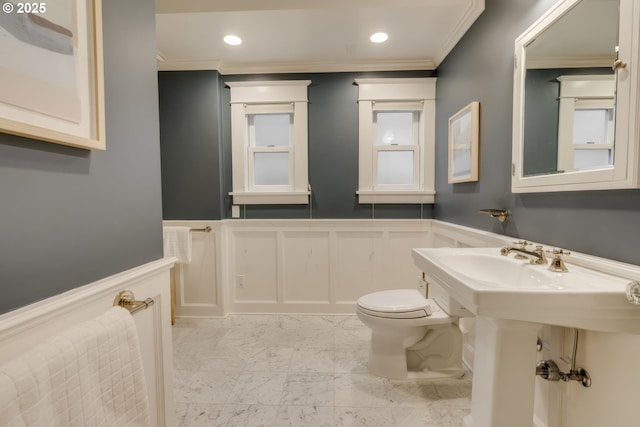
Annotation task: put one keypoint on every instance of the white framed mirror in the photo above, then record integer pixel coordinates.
(575, 98)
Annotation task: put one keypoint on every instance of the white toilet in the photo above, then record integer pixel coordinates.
(411, 336)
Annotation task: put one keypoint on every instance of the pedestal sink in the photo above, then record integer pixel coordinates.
(511, 300)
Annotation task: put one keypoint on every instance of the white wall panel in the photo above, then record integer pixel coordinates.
(356, 265)
(197, 286)
(305, 265)
(255, 264)
(196, 283)
(398, 269)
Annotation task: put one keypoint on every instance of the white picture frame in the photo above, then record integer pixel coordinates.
(464, 130)
(51, 72)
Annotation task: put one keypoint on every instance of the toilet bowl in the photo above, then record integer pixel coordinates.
(411, 336)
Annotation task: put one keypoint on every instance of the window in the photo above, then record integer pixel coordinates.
(396, 149)
(269, 142)
(396, 140)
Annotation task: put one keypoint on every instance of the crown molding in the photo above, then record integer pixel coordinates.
(297, 67)
(473, 12)
(195, 6)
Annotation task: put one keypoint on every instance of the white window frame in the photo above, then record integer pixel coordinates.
(269, 97)
(403, 94)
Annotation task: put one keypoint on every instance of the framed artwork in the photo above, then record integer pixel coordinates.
(464, 127)
(51, 72)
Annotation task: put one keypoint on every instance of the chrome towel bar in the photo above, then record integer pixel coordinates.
(127, 300)
(205, 229)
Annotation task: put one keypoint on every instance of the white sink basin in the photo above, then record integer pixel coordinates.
(490, 284)
(486, 270)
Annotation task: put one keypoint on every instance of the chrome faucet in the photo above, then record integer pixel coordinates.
(536, 256)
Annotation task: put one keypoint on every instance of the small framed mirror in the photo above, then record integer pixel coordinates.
(464, 129)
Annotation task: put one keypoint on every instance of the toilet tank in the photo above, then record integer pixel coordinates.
(448, 304)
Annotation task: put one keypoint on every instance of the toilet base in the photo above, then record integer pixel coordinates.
(434, 354)
(435, 375)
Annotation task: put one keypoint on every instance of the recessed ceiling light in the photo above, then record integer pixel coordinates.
(232, 40)
(379, 37)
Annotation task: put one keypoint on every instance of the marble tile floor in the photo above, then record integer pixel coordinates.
(298, 371)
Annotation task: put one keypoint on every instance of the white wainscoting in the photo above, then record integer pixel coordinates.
(198, 286)
(22, 329)
(307, 266)
(318, 266)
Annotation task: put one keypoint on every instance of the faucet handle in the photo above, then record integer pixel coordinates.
(557, 263)
(558, 252)
(523, 243)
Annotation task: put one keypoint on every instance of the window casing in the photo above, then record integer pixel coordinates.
(396, 140)
(269, 142)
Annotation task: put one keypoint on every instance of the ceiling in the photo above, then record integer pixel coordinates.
(309, 35)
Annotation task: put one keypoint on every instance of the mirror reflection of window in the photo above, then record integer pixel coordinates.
(586, 128)
(593, 130)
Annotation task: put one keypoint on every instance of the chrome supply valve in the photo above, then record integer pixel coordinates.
(557, 263)
(548, 369)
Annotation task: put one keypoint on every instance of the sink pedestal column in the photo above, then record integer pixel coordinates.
(503, 373)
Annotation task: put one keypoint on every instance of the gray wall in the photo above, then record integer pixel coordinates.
(190, 129)
(480, 68)
(202, 181)
(69, 216)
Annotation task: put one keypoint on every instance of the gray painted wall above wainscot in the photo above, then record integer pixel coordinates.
(196, 148)
(70, 216)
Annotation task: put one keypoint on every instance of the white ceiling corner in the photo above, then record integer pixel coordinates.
(296, 36)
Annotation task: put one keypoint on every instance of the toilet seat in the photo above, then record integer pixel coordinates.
(395, 301)
(402, 304)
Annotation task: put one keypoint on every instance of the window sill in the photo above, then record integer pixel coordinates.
(270, 198)
(396, 197)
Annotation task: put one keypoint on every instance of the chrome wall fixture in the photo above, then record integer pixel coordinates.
(126, 299)
(548, 369)
(203, 230)
(500, 214)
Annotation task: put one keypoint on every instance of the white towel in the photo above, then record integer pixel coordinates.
(88, 376)
(177, 243)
